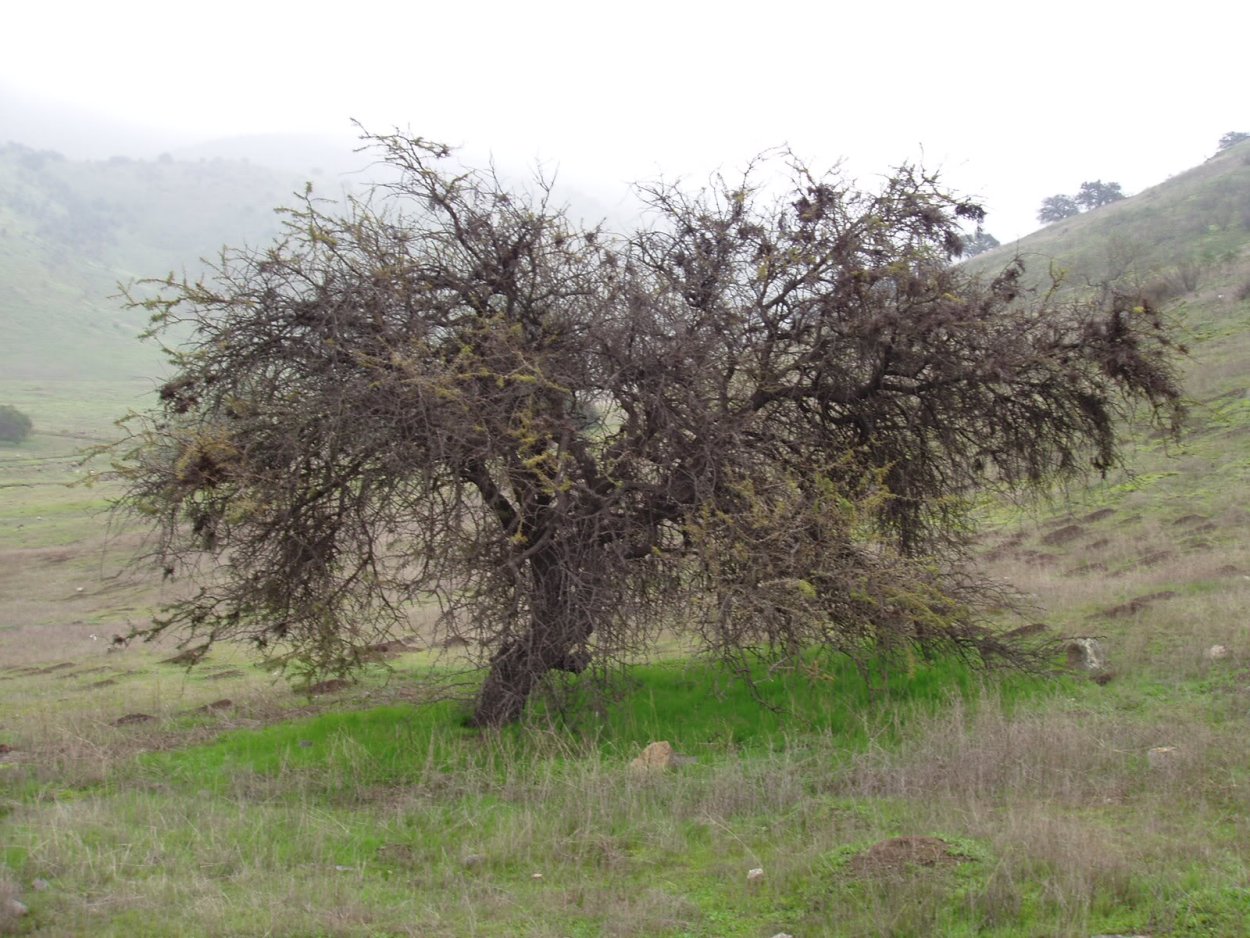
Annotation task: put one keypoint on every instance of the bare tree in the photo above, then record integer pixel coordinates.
(755, 421)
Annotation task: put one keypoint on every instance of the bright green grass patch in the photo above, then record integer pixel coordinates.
(700, 708)
(699, 705)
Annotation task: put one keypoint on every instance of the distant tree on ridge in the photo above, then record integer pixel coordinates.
(979, 242)
(1232, 138)
(1096, 194)
(1057, 208)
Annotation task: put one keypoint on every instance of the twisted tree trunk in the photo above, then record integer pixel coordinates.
(554, 641)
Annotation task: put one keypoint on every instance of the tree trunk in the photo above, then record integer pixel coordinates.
(555, 641)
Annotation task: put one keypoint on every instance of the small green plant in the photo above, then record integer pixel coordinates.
(15, 426)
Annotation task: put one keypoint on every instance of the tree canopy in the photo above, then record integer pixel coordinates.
(1057, 208)
(979, 242)
(754, 422)
(1091, 195)
(15, 426)
(1232, 138)
(1096, 194)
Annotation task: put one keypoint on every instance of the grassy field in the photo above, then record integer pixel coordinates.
(137, 798)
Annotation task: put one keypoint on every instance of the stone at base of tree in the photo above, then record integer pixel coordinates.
(1161, 757)
(1086, 654)
(1215, 653)
(659, 757)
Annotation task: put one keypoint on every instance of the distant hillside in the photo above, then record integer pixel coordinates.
(1171, 240)
(71, 230)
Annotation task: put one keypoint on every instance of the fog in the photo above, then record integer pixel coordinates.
(1008, 107)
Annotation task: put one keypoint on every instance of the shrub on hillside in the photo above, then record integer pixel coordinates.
(14, 425)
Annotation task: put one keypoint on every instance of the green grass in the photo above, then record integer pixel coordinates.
(702, 710)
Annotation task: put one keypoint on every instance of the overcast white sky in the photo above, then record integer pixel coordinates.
(1012, 102)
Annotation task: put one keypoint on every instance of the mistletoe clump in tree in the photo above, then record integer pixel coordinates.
(755, 421)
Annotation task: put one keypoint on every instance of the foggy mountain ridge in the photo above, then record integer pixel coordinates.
(73, 229)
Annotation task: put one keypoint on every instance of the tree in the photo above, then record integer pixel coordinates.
(1057, 208)
(15, 426)
(754, 422)
(979, 242)
(1096, 194)
(1232, 138)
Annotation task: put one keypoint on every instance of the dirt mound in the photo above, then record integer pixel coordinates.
(1069, 532)
(224, 704)
(189, 657)
(1098, 515)
(1188, 520)
(130, 719)
(1154, 558)
(1134, 606)
(900, 854)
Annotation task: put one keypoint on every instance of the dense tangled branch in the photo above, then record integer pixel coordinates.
(757, 421)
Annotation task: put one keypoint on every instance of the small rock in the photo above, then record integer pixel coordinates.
(755, 875)
(1215, 653)
(473, 860)
(339, 868)
(536, 876)
(783, 934)
(40, 885)
(658, 757)
(1086, 654)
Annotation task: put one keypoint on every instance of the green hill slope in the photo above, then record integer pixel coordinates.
(1171, 240)
(70, 231)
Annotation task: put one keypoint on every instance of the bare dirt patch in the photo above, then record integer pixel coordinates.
(1094, 566)
(131, 719)
(1063, 535)
(1099, 515)
(903, 854)
(1154, 558)
(1185, 520)
(1134, 606)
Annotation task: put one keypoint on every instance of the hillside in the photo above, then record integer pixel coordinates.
(1171, 240)
(71, 231)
